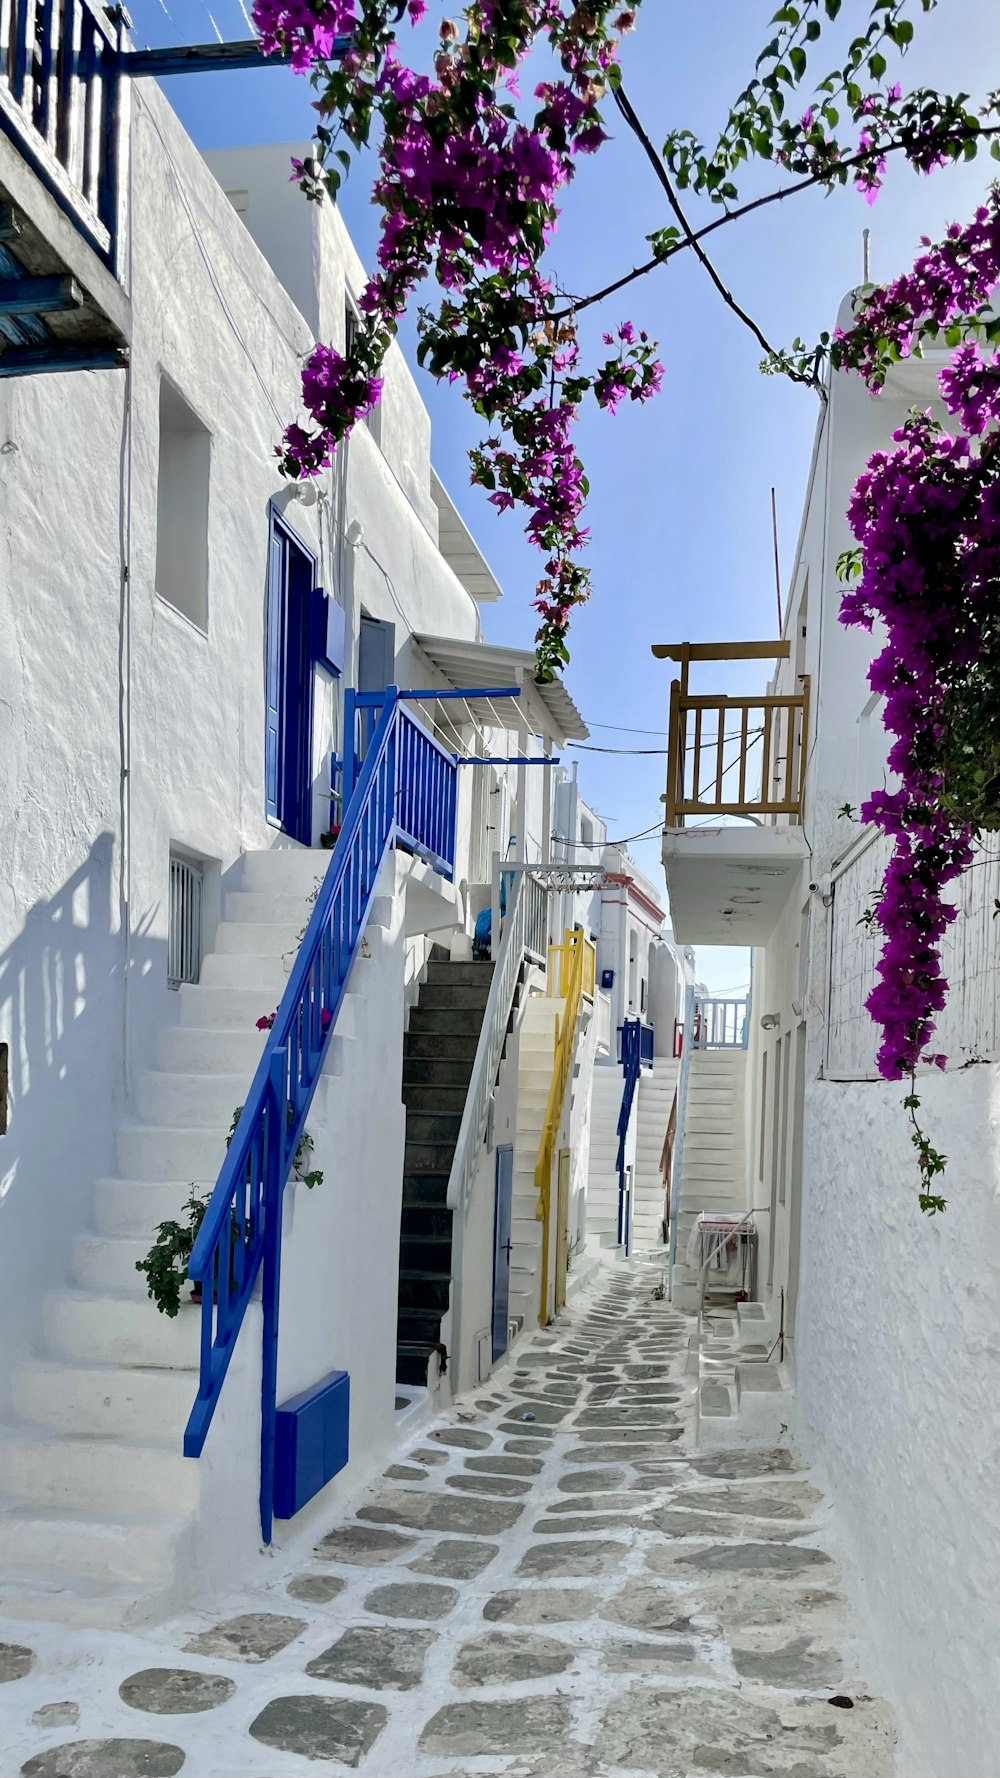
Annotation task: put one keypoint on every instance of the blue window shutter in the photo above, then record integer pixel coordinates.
(273, 675)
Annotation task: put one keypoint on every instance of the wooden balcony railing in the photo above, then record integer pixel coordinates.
(734, 755)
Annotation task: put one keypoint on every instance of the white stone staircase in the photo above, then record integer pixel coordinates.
(713, 1173)
(602, 1176)
(656, 1090)
(99, 1509)
(536, 1053)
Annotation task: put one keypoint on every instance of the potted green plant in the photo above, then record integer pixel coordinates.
(329, 839)
(165, 1265)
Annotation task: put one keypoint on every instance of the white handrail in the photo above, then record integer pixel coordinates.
(525, 936)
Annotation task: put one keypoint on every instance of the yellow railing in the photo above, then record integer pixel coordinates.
(734, 755)
(571, 976)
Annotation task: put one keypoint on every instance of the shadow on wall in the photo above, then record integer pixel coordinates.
(62, 1017)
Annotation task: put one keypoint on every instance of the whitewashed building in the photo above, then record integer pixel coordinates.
(196, 669)
(883, 1324)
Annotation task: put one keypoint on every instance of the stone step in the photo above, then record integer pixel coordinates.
(459, 973)
(133, 1208)
(96, 1476)
(435, 1072)
(294, 870)
(434, 1046)
(54, 1550)
(81, 1326)
(267, 907)
(187, 1049)
(435, 1098)
(451, 1021)
(107, 1263)
(180, 1101)
(102, 1401)
(247, 938)
(221, 1009)
(468, 995)
(146, 1151)
(267, 975)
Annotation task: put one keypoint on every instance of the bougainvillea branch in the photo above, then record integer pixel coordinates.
(927, 570)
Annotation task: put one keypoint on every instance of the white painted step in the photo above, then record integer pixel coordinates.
(83, 1327)
(266, 907)
(132, 1208)
(221, 1009)
(186, 1049)
(101, 1401)
(182, 1100)
(97, 1476)
(107, 1262)
(292, 870)
(57, 1546)
(149, 1152)
(238, 969)
(249, 937)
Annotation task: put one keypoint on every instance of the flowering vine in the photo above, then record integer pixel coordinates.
(468, 191)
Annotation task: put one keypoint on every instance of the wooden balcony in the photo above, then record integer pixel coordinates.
(734, 755)
(738, 762)
(62, 150)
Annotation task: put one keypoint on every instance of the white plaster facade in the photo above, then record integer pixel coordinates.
(892, 1320)
(132, 731)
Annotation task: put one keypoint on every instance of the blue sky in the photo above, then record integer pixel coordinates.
(680, 511)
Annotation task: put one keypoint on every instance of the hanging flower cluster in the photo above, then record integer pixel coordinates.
(927, 519)
(468, 192)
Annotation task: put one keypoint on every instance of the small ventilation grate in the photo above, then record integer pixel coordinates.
(184, 937)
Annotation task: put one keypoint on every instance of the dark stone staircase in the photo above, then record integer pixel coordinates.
(438, 1052)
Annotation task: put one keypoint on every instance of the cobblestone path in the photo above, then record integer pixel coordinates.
(551, 1581)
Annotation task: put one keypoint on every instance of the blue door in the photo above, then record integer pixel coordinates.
(288, 684)
(501, 1250)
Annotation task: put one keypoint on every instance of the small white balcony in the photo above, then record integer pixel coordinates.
(733, 845)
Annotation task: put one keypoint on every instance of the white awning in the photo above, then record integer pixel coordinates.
(460, 549)
(546, 710)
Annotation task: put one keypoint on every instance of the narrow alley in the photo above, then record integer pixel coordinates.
(551, 1581)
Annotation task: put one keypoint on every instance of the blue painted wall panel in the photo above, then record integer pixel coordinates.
(311, 1443)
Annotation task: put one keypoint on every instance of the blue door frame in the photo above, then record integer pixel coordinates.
(501, 1250)
(288, 676)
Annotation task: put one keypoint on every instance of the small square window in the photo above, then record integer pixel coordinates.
(184, 930)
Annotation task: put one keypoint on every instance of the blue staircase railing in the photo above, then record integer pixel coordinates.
(635, 1052)
(404, 795)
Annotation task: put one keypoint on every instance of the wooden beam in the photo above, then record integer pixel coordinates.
(19, 361)
(721, 651)
(10, 223)
(38, 296)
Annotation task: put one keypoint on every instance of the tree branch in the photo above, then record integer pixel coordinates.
(700, 234)
(624, 104)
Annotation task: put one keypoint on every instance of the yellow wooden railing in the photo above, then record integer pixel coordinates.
(713, 763)
(571, 977)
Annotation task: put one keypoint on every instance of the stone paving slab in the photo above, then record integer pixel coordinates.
(549, 1581)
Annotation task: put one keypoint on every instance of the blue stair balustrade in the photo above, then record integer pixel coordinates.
(403, 795)
(635, 1052)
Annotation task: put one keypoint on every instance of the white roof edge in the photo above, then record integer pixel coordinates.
(457, 544)
(464, 663)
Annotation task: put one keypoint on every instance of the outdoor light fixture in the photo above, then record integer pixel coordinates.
(770, 1021)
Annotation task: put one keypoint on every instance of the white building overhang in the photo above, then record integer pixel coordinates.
(729, 885)
(460, 549)
(546, 710)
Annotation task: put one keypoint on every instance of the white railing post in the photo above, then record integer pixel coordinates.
(690, 1005)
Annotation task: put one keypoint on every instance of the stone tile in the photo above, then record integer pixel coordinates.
(404, 1472)
(256, 1636)
(522, 1725)
(412, 1599)
(734, 1465)
(106, 1759)
(175, 1691)
(773, 1559)
(582, 1480)
(789, 1500)
(62, 1715)
(361, 1545)
(592, 1522)
(545, 1413)
(437, 1512)
(541, 1605)
(676, 1522)
(584, 1558)
(427, 1455)
(495, 1485)
(377, 1657)
(659, 1659)
(466, 1438)
(742, 1604)
(506, 1657)
(456, 1559)
(524, 1447)
(641, 1606)
(795, 1664)
(15, 1661)
(527, 1429)
(596, 1503)
(715, 1730)
(611, 1453)
(326, 1729)
(619, 1416)
(504, 1465)
(315, 1589)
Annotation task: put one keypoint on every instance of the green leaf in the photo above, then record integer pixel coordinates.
(877, 64)
(797, 57)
